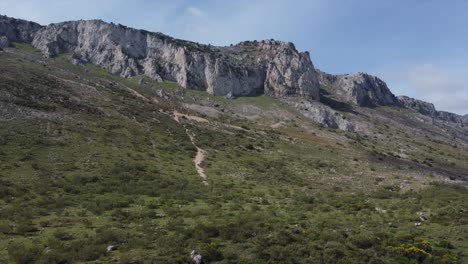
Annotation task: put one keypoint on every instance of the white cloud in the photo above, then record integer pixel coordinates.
(224, 23)
(194, 11)
(446, 88)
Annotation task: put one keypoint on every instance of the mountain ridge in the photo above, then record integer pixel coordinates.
(276, 68)
(270, 67)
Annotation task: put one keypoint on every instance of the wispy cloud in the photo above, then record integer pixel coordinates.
(194, 11)
(447, 89)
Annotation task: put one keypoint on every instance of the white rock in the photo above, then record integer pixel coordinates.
(196, 257)
(112, 248)
(358, 88)
(271, 67)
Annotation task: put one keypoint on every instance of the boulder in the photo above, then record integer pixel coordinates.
(111, 248)
(196, 257)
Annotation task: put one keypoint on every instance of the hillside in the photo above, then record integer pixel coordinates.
(91, 159)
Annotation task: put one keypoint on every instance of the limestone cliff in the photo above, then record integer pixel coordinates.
(271, 67)
(268, 67)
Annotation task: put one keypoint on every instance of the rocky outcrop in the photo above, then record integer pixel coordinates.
(271, 67)
(4, 42)
(322, 114)
(450, 117)
(357, 88)
(420, 106)
(428, 109)
(17, 30)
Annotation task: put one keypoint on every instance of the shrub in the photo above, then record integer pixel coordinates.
(62, 235)
(24, 252)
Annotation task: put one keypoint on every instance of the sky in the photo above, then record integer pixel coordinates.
(418, 47)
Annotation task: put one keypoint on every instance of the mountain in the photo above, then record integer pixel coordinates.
(248, 68)
(119, 145)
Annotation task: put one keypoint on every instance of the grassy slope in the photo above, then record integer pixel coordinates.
(112, 169)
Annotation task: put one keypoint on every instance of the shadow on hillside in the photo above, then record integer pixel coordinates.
(397, 163)
(326, 99)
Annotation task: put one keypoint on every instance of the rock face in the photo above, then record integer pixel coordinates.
(17, 29)
(358, 88)
(268, 67)
(420, 106)
(322, 114)
(450, 117)
(428, 109)
(4, 42)
(248, 68)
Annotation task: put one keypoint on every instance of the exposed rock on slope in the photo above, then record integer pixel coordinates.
(271, 67)
(323, 114)
(420, 106)
(451, 117)
(358, 88)
(428, 109)
(17, 29)
(266, 67)
(4, 42)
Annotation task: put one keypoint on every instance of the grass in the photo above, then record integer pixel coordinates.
(101, 167)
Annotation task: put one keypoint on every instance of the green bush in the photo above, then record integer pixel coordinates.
(24, 252)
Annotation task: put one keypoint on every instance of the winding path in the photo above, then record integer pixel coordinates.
(200, 157)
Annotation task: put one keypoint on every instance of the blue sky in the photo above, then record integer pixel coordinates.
(419, 47)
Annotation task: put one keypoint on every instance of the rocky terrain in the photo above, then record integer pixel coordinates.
(428, 109)
(419, 106)
(358, 88)
(117, 148)
(17, 29)
(248, 68)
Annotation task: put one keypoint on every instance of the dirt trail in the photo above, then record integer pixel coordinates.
(178, 115)
(200, 157)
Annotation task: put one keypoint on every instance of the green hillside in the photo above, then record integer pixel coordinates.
(90, 160)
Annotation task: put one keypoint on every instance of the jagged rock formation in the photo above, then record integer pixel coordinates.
(420, 106)
(17, 29)
(266, 67)
(428, 109)
(358, 88)
(248, 68)
(451, 117)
